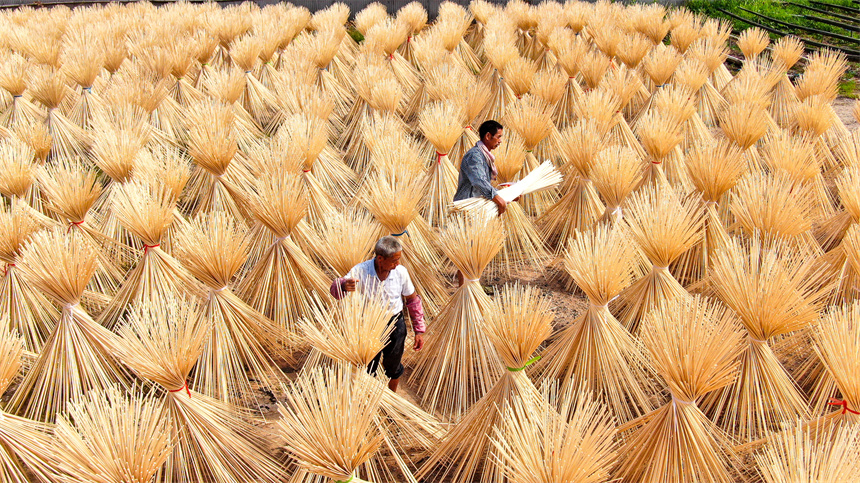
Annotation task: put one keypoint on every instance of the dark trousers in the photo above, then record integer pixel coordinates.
(392, 354)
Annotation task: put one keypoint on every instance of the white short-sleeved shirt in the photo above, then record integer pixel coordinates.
(397, 285)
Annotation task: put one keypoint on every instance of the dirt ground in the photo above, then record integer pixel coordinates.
(843, 107)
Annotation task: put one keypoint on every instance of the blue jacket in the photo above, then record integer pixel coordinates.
(475, 175)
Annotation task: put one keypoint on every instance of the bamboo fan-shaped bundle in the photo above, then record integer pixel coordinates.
(442, 125)
(25, 446)
(109, 436)
(786, 51)
(652, 23)
(624, 84)
(459, 366)
(28, 312)
(679, 99)
(579, 206)
(328, 422)
(74, 358)
(569, 52)
(532, 120)
(214, 441)
(394, 204)
(659, 65)
(615, 173)
(13, 79)
(752, 42)
(18, 179)
(773, 206)
(452, 23)
(596, 353)
(549, 86)
(800, 453)
(213, 248)
(576, 446)
(775, 291)
(714, 170)
(256, 98)
(516, 324)
(524, 245)
(139, 88)
(519, 74)
(796, 156)
(322, 47)
(592, 68)
(83, 64)
(393, 152)
(226, 87)
(710, 101)
(694, 344)
(684, 34)
(835, 339)
(414, 16)
(387, 36)
(328, 181)
(182, 59)
(280, 283)
(661, 136)
(500, 50)
(470, 93)
(147, 211)
(745, 123)
(813, 119)
(49, 88)
(218, 178)
(665, 223)
(836, 236)
(347, 239)
(354, 331)
(71, 190)
(36, 136)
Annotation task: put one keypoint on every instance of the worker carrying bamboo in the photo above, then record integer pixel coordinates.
(384, 275)
(478, 167)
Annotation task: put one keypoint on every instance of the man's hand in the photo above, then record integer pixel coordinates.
(419, 342)
(501, 204)
(349, 285)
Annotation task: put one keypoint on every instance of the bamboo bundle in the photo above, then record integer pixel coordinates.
(786, 51)
(714, 169)
(576, 446)
(74, 358)
(661, 136)
(711, 102)
(659, 65)
(394, 204)
(49, 89)
(451, 24)
(684, 34)
(680, 99)
(27, 311)
(442, 125)
(695, 344)
(386, 37)
(414, 16)
(532, 120)
(256, 98)
(82, 65)
(393, 152)
(226, 88)
(569, 52)
(71, 190)
(452, 82)
(161, 342)
(624, 84)
(516, 324)
(665, 223)
(810, 454)
(354, 330)
(327, 180)
(774, 291)
(834, 233)
(459, 366)
(652, 23)
(217, 179)
(796, 157)
(18, 179)
(834, 340)
(147, 212)
(549, 86)
(579, 206)
(213, 247)
(328, 422)
(347, 239)
(596, 353)
(593, 66)
(280, 283)
(616, 172)
(500, 49)
(110, 436)
(37, 137)
(752, 42)
(519, 73)
(25, 445)
(13, 79)
(183, 56)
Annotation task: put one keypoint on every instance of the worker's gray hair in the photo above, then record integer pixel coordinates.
(387, 246)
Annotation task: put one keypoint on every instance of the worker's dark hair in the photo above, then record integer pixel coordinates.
(490, 127)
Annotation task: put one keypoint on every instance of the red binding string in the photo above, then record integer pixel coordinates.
(306, 171)
(74, 223)
(439, 157)
(6, 269)
(470, 128)
(844, 404)
(656, 162)
(184, 386)
(147, 247)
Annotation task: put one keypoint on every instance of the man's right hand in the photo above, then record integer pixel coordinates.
(348, 285)
(501, 204)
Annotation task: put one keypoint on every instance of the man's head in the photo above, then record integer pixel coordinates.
(388, 252)
(490, 133)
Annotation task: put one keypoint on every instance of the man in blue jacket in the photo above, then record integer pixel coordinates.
(478, 167)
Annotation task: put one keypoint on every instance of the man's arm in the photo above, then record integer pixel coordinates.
(416, 314)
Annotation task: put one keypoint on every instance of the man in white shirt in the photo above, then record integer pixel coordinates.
(384, 274)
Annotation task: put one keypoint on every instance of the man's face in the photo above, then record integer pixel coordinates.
(493, 141)
(390, 263)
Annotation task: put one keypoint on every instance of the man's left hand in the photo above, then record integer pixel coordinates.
(419, 342)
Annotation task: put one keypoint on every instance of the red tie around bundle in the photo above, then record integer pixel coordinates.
(844, 404)
(74, 223)
(439, 157)
(6, 270)
(147, 247)
(184, 386)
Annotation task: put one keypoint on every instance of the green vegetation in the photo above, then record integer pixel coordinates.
(848, 88)
(772, 8)
(355, 34)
